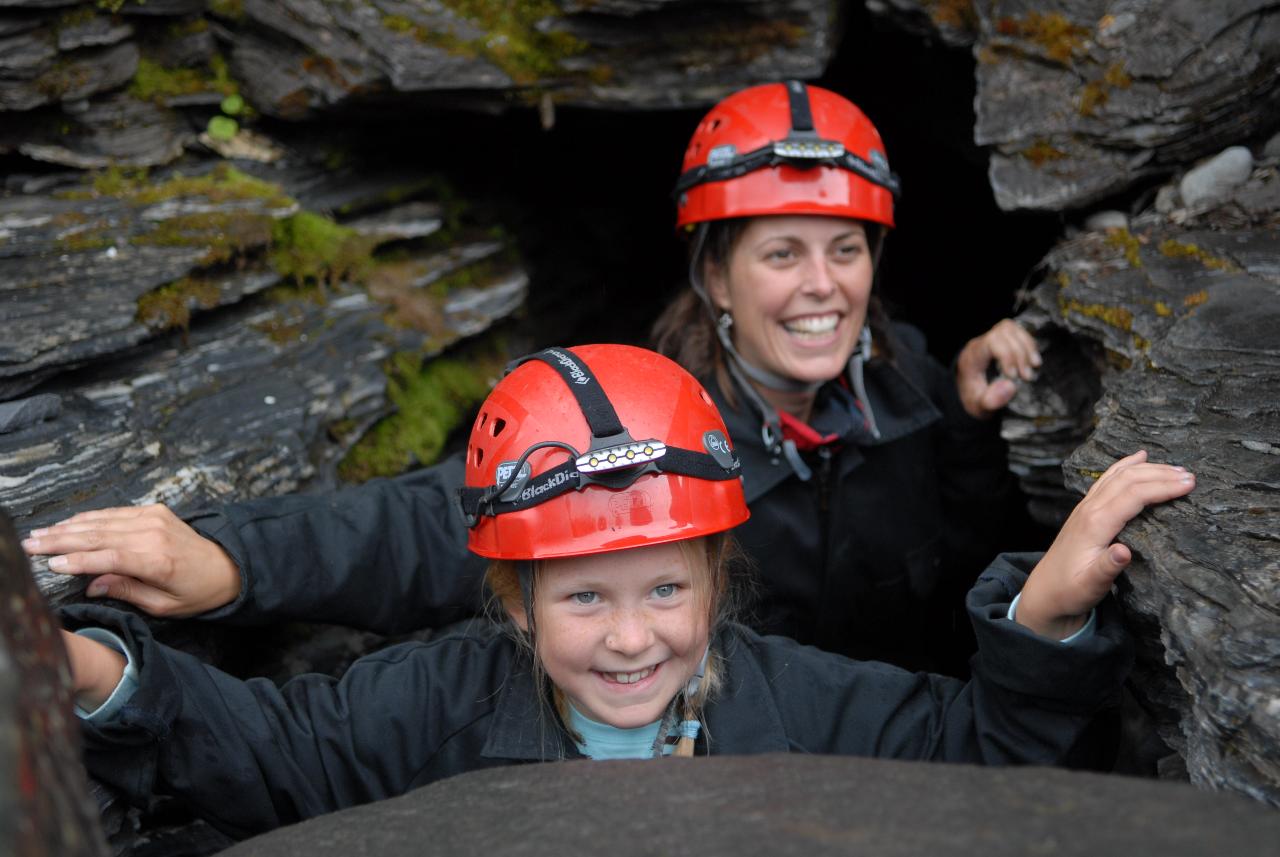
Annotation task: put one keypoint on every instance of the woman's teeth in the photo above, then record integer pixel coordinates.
(630, 678)
(812, 324)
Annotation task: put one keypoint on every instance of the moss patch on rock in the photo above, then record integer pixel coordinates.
(311, 249)
(431, 401)
(153, 82)
(169, 307)
(1179, 250)
(1127, 243)
(1117, 317)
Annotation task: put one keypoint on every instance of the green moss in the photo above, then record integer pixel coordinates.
(1179, 250)
(282, 328)
(169, 307)
(85, 240)
(1091, 474)
(430, 402)
(76, 17)
(153, 82)
(223, 183)
(1056, 36)
(1117, 317)
(512, 41)
(1162, 309)
(189, 27)
(230, 9)
(1125, 241)
(1064, 279)
(309, 248)
(227, 235)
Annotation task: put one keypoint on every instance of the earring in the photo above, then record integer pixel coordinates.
(725, 321)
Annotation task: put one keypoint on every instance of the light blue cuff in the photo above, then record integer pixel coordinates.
(1086, 630)
(128, 682)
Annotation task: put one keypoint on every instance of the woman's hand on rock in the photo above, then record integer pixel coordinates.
(145, 555)
(1014, 352)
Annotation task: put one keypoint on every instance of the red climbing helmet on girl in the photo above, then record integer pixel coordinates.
(785, 148)
(593, 449)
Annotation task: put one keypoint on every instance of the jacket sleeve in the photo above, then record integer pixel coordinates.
(389, 555)
(1030, 699)
(978, 493)
(248, 756)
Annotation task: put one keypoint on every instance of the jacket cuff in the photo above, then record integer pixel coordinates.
(124, 689)
(1085, 675)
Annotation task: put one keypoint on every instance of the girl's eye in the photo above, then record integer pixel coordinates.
(666, 590)
(847, 250)
(782, 254)
(584, 598)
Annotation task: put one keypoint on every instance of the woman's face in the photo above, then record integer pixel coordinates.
(620, 633)
(797, 287)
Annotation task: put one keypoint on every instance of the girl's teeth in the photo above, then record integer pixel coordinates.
(631, 678)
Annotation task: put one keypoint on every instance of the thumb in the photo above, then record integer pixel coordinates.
(1115, 560)
(124, 588)
(998, 394)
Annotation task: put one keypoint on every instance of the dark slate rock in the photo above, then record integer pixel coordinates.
(1178, 324)
(785, 805)
(45, 809)
(27, 412)
(954, 22)
(113, 131)
(1080, 99)
(46, 77)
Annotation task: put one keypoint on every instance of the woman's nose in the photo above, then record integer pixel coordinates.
(818, 280)
(631, 632)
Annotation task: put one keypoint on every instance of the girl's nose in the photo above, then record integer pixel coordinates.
(630, 633)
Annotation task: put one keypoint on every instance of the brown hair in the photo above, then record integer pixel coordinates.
(686, 330)
(708, 560)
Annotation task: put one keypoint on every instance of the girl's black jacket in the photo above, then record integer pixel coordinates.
(249, 756)
(866, 558)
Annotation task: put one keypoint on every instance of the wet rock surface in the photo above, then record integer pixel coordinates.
(785, 805)
(45, 808)
(1173, 326)
(1080, 99)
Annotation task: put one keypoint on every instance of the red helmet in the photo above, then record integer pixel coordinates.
(785, 149)
(595, 449)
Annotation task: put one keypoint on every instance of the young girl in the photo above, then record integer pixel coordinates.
(601, 485)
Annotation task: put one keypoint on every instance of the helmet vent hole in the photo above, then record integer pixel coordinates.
(705, 397)
(479, 456)
(484, 418)
(715, 123)
(497, 426)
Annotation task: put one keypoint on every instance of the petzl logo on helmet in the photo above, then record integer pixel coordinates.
(575, 371)
(721, 155)
(538, 490)
(503, 473)
(715, 443)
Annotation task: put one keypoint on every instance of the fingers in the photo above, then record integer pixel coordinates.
(998, 394)
(1013, 349)
(154, 601)
(1126, 488)
(115, 516)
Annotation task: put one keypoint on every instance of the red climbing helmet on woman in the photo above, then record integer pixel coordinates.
(785, 148)
(597, 448)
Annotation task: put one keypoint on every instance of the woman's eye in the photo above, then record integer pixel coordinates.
(781, 255)
(848, 250)
(666, 590)
(585, 598)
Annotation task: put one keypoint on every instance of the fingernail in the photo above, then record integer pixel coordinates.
(1035, 360)
(96, 589)
(1189, 478)
(58, 562)
(1117, 556)
(40, 532)
(31, 545)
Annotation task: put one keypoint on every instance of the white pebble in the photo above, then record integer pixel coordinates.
(1217, 177)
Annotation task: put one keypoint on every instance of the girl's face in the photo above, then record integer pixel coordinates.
(620, 633)
(797, 287)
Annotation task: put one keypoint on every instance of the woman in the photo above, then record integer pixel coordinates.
(600, 484)
(876, 481)
(876, 487)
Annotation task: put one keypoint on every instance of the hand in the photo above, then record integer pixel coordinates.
(1078, 569)
(1013, 350)
(145, 555)
(95, 669)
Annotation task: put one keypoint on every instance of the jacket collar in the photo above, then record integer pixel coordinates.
(900, 406)
(522, 728)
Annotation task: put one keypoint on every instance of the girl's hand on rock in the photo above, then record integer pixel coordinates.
(1078, 569)
(145, 555)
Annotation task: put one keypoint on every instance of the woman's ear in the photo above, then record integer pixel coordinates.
(717, 284)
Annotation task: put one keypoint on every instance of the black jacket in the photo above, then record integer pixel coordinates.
(869, 558)
(249, 756)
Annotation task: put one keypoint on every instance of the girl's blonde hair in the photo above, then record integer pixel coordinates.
(708, 560)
